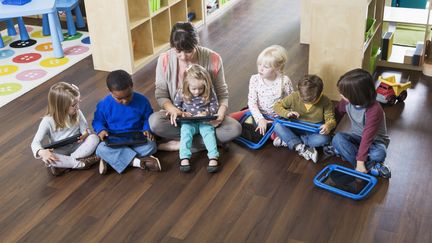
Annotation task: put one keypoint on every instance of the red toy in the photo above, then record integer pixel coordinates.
(389, 90)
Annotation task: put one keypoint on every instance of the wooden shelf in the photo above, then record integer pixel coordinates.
(178, 12)
(406, 15)
(126, 35)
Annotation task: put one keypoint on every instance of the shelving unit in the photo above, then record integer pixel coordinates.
(126, 34)
(339, 45)
(223, 5)
(395, 15)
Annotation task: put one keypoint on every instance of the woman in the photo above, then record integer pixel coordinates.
(169, 77)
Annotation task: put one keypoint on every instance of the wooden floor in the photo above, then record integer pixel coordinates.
(260, 196)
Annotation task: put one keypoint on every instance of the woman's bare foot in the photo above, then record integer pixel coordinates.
(172, 145)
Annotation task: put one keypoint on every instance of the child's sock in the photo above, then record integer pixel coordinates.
(136, 162)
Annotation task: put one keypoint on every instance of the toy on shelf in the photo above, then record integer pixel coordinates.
(345, 181)
(389, 90)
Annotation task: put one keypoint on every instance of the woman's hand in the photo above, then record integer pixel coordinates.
(361, 167)
(262, 126)
(149, 135)
(173, 113)
(102, 135)
(324, 129)
(48, 156)
(220, 116)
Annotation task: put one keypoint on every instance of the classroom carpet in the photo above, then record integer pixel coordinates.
(25, 65)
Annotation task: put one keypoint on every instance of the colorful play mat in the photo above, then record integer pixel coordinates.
(25, 65)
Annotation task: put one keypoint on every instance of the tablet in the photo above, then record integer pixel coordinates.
(63, 142)
(196, 118)
(345, 181)
(125, 139)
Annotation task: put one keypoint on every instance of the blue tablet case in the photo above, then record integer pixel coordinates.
(346, 182)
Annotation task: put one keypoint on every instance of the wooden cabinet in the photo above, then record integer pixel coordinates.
(127, 34)
(337, 38)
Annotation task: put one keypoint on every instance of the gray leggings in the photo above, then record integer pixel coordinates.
(161, 126)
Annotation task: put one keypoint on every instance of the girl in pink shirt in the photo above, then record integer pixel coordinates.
(267, 86)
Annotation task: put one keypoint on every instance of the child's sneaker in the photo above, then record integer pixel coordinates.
(380, 169)
(150, 163)
(307, 153)
(103, 167)
(277, 142)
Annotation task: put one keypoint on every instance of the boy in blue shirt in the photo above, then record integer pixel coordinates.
(124, 110)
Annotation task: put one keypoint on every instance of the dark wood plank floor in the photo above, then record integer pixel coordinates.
(260, 196)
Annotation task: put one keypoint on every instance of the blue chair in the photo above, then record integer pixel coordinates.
(12, 32)
(36, 7)
(67, 6)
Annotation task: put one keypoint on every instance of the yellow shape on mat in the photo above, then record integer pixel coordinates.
(54, 62)
(37, 34)
(44, 47)
(8, 69)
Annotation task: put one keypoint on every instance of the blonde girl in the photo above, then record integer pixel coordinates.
(197, 98)
(267, 86)
(62, 120)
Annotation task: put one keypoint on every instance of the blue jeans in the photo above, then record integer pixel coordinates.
(120, 157)
(207, 131)
(292, 137)
(347, 145)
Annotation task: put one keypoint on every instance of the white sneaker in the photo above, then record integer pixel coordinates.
(277, 142)
(307, 153)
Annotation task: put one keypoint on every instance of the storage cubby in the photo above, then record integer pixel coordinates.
(163, 6)
(161, 26)
(195, 6)
(138, 11)
(178, 12)
(142, 46)
(127, 34)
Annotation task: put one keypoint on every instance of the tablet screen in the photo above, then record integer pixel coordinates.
(129, 138)
(345, 182)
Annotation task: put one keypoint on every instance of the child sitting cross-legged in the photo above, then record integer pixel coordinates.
(124, 110)
(64, 119)
(310, 105)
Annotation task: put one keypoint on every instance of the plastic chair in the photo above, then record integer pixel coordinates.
(36, 7)
(12, 32)
(249, 143)
(67, 6)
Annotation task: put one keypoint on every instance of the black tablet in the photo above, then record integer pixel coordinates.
(196, 118)
(125, 139)
(63, 142)
(345, 182)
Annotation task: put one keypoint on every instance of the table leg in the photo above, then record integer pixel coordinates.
(58, 50)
